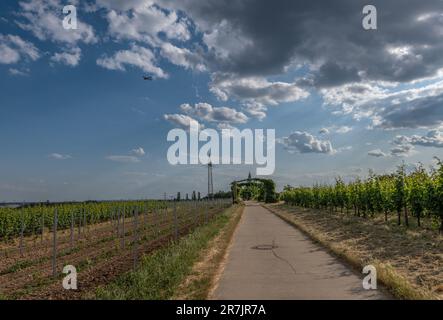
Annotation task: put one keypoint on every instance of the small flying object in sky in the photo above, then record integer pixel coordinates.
(148, 78)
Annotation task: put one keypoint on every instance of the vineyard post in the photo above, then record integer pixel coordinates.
(156, 212)
(175, 222)
(145, 218)
(123, 227)
(190, 216)
(116, 217)
(199, 212)
(118, 223)
(111, 215)
(195, 213)
(166, 218)
(206, 208)
(43, 225)
(135, 235)
(85, 222)
(22, 229)
(54, 243)
(154, 218)
(79, 222)
(72, 229)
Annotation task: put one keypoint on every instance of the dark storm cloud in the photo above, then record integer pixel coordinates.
(261, 38)
(331, 74)
(422, 112)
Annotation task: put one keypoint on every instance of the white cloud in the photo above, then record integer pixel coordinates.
(433, 138)
(181, 120)
(343, 129)
(353, 95)
(388, 106)
(123, 5)
(8, 55)
(335, 129)
(342, 149)
(405, 145)
(58, 156)
(138, 151)
(182, 57)
(324, 131)
(402, 147)
(17, 72)
(13, 48)
(206, 112)
(303, 142)
(123, 159)
(255, 110)
(44, 21)
(144, 22)
(377, 153)
(70, 58)
(139, 57)
(402, 150)
(254, 92)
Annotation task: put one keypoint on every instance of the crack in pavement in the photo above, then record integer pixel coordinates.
(281, 258)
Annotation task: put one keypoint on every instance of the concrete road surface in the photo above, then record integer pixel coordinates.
(296, 268)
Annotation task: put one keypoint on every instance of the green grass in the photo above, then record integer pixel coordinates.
(160, 274)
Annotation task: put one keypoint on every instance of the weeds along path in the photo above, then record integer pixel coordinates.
(99, 251)
(409, 261)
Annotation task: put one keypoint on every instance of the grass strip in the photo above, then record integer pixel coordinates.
(201, 281)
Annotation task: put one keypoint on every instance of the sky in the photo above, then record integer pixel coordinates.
(78, 122)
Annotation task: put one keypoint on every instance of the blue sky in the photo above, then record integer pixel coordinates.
(78, 122)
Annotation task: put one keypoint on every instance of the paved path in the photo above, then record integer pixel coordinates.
(297, 269)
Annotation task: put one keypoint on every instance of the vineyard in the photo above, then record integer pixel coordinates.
(416, 195)
(101, 240)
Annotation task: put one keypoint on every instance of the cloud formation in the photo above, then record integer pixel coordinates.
(140, 152)
(71, 57)
(255, 89)
(423, 112)
(257, 38)
(304, 142)
(405, 145)
(137, 56)
(206, 112)
(377, 153)
(144, 22)
(59, 156)
(13, 48)
(43, 19)
(180, 120)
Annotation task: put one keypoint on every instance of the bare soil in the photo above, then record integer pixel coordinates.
(97, 252)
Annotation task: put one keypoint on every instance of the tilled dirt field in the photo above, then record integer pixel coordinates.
(99, 252)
